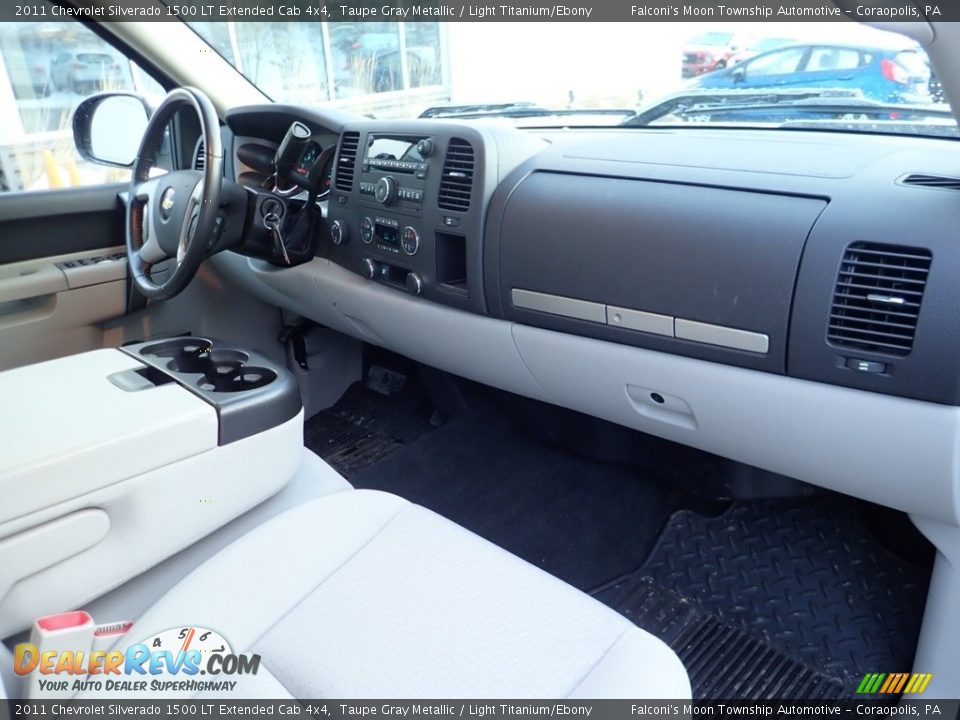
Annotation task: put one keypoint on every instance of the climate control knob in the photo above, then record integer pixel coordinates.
(366, 230)
(386, 190)
(370, 268)
(410, 240)
(414, 283)
(338, 232)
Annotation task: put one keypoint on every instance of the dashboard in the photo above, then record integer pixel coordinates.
(784, 298)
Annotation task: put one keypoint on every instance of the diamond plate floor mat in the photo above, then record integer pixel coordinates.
(723, 661)
(346, 442)
(373, 418)
(804, 580)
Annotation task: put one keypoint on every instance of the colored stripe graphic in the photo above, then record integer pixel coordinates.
(920, 684)
(914, 681)
(900, 683)
(892, 680)
(894, 683)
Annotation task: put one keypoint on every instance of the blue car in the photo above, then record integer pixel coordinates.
(887, 75)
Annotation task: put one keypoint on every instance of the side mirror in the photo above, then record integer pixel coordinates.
(108, 128)
(738, 73)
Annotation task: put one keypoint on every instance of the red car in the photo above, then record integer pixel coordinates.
(708, 51)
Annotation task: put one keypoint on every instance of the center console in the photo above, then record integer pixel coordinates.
(118, 458)
(406, 205)
(249, 392)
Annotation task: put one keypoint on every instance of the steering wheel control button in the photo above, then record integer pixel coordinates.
(410, 240)
(338, 232)
(386, 190)
(366, 230)
(866, 366)
(217, 233)
(414, 283)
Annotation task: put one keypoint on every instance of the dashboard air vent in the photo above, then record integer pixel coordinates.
(877, 300)
(456, 180)
(347, 162)
(200, 156)
(944, 182)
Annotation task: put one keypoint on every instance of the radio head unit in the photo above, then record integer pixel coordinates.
(394, 170)
(397, 153)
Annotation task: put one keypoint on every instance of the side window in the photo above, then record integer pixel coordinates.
(775, 63)
(46, 70)
(824, 59)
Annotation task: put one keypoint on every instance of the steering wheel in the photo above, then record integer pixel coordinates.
(175, 215)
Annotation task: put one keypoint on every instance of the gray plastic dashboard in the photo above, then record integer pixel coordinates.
(741, 236)
(797, 253)
(685, 283)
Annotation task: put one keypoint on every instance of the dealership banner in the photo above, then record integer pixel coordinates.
(480, 709)
(495, 11)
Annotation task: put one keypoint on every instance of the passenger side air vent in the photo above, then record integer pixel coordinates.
(942, 182)
(347, 162)
(200, 157)
(456, 180)
(877, 300)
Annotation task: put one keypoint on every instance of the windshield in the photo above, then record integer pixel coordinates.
(712, 38)
(595, 74)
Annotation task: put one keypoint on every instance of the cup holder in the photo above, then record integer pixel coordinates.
(229, 376)
(250, 393)
(187, 355)
(221, 369)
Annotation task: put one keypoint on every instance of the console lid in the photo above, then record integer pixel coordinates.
(68, 429)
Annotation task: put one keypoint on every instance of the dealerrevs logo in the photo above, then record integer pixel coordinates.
(171, 661)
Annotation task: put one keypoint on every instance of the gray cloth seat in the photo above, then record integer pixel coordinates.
(361, 594)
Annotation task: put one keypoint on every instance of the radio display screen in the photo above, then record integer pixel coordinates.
(393, 147)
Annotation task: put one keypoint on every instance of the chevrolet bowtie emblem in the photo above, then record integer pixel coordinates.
(166, 202)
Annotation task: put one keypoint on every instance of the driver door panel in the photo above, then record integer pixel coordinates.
(62, 271)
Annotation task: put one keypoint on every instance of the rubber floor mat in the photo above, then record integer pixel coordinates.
(723, 661)
(372, 419)
(346, 442)
(582, 521)
(805, 579)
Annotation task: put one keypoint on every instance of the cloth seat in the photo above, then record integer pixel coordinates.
(361, 594)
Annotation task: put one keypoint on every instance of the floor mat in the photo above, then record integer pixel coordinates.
(804, 579)
(346, 442)
(771, 599)
(723, 661)
(581, 521)
(367, 424)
